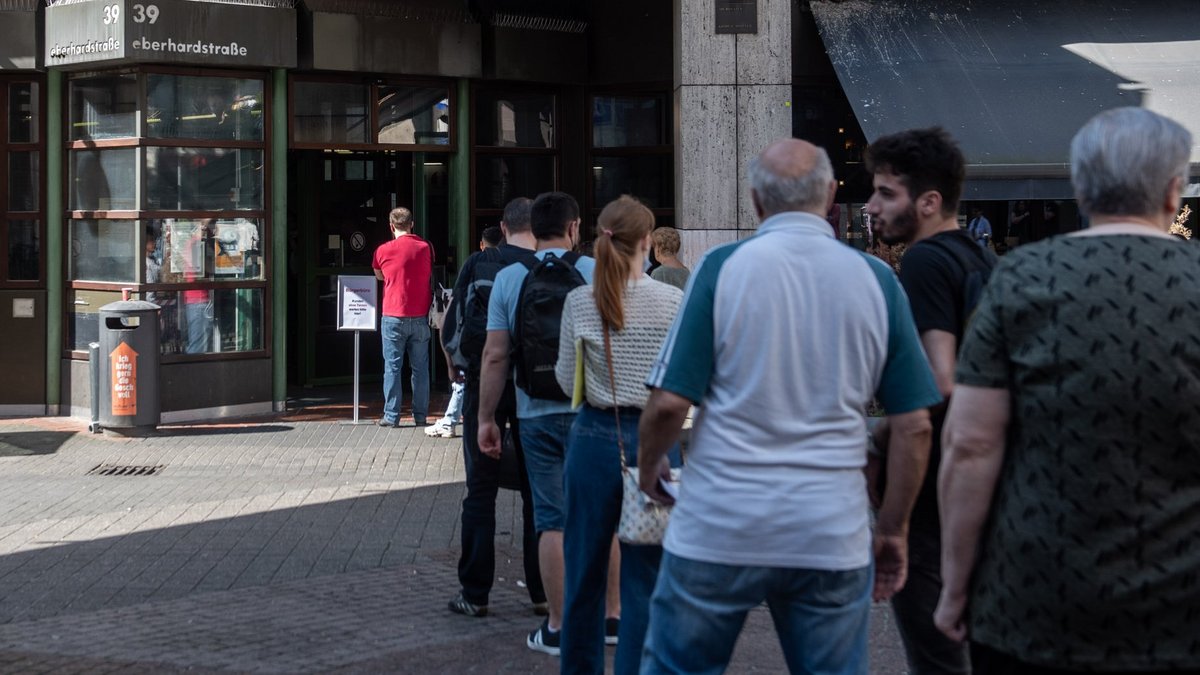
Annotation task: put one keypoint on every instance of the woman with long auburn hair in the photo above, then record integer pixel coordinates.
(636, 312)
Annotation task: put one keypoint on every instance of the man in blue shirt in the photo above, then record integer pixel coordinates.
(544, 424)
(980, 228)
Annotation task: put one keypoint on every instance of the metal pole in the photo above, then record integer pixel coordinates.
(357, 333)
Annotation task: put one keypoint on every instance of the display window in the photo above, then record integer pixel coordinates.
(21, 191)
(630, 152)
(415, 115)
(167, 194)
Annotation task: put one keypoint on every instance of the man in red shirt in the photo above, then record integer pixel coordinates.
(405, 265)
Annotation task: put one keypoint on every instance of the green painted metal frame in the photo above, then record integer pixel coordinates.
(460, 178)
(55, 223)
(279, 238)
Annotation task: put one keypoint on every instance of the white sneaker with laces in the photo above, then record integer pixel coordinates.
(442, 428)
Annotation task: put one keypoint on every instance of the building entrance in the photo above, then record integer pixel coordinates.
(343, 199)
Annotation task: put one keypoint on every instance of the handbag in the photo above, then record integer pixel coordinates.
(643, 520)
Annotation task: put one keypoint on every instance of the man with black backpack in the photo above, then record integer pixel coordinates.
(524, 313)
(463, 336)
(918, 177)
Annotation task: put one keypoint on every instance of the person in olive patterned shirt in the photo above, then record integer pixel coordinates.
(1070, 481)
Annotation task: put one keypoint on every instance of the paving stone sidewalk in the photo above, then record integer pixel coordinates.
(274, 545)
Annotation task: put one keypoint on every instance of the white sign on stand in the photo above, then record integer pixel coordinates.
(357, 310)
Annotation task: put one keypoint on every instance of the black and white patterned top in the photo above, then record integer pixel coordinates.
(1091, 559)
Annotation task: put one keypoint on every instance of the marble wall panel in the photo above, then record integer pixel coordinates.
(693, 244)
(766, 57)
(706, 175)
(702, 56)
(764, 116)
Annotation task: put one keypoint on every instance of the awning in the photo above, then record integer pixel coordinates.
(19, 35)
(1012, 81)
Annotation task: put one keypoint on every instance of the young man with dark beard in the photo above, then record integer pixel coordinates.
(918, 177)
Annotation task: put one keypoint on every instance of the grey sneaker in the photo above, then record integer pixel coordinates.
(460, 605)
(544, 640)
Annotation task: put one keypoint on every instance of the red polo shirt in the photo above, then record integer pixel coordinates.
(407, 266)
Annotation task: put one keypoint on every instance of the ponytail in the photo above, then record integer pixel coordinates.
(622, 224)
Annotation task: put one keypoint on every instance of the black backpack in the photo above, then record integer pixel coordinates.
(977, 268)
(468, 332)
(539, 318)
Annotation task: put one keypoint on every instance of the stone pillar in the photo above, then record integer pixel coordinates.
(732, 97)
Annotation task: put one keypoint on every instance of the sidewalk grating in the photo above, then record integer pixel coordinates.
(125, 470)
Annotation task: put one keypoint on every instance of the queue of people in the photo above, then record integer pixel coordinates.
(1030, 502)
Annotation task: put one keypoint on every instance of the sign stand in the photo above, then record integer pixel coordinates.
(357, 311)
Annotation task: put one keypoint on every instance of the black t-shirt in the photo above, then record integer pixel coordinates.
(934, 279)
(505, 254)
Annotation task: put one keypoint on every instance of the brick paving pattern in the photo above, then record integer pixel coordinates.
(279, 545)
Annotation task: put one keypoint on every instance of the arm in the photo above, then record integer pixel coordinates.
(908, 456)
(658, 430)
(564, 368)
(941, 348)
(379, 274)
(972, 455)
(492, 376)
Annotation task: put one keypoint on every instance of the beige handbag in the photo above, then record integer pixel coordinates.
(643, 520)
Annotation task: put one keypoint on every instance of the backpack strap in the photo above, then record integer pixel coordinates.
(984, 256)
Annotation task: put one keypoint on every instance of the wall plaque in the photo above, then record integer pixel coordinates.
(737, 16)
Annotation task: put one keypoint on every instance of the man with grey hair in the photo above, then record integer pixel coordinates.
(1069, 485)
(774, 505)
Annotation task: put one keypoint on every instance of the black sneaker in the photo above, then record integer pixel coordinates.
(544, 640)
(611, 628)
(460, 605)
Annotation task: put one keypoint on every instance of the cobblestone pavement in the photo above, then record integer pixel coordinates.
(278, 545)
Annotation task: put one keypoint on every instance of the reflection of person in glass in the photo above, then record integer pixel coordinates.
(197, 304)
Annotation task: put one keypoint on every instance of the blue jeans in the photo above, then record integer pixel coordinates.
(544, 440)
(593, 490)
(199, 327)
(698, 610)
(400, 336)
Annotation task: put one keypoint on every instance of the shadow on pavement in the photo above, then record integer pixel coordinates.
(25, 443)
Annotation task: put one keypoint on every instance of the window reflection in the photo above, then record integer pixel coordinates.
(331, 113)
(23, 112)
(515, 120)
(103, 250)
(209, 108)
(24, 248)
(181, 250)
(414, 115)
(647, 177)
(500, 179)
(103, 106)
(103, 180)
(23, 181)
(210, 321)
(627, 121)
(204, 178)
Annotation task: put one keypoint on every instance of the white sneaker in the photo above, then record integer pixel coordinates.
(440, 429)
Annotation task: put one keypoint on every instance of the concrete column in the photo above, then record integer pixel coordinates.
(732, 97)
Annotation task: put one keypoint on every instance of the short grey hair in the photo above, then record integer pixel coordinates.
(806, 192)
(1123, 160)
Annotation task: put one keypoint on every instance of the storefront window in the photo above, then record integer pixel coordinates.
(24, 250)
(208, 108)
(205, 267)
(23, 181)
(414, 115)
(331, 114)
(23, 112)
(83, 309)
(103, 250)
(103, 180)
(647, 177)
(210, 321)
(210, 249)
(194, 179)
(104, 106)
(622, 121)
(514, 120)
(499, 179)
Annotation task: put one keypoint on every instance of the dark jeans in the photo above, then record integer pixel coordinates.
(477, 564)
(929, 651)
(593, 489)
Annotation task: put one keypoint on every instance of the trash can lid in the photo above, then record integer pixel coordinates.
(129, 306)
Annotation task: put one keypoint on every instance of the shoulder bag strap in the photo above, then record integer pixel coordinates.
(612, 386)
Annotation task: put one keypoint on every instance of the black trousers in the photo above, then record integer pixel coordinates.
(477, 564)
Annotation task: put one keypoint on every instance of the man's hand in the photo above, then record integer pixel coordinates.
(490, 442)
(950, 615)
(648, 480)
(891, 565)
